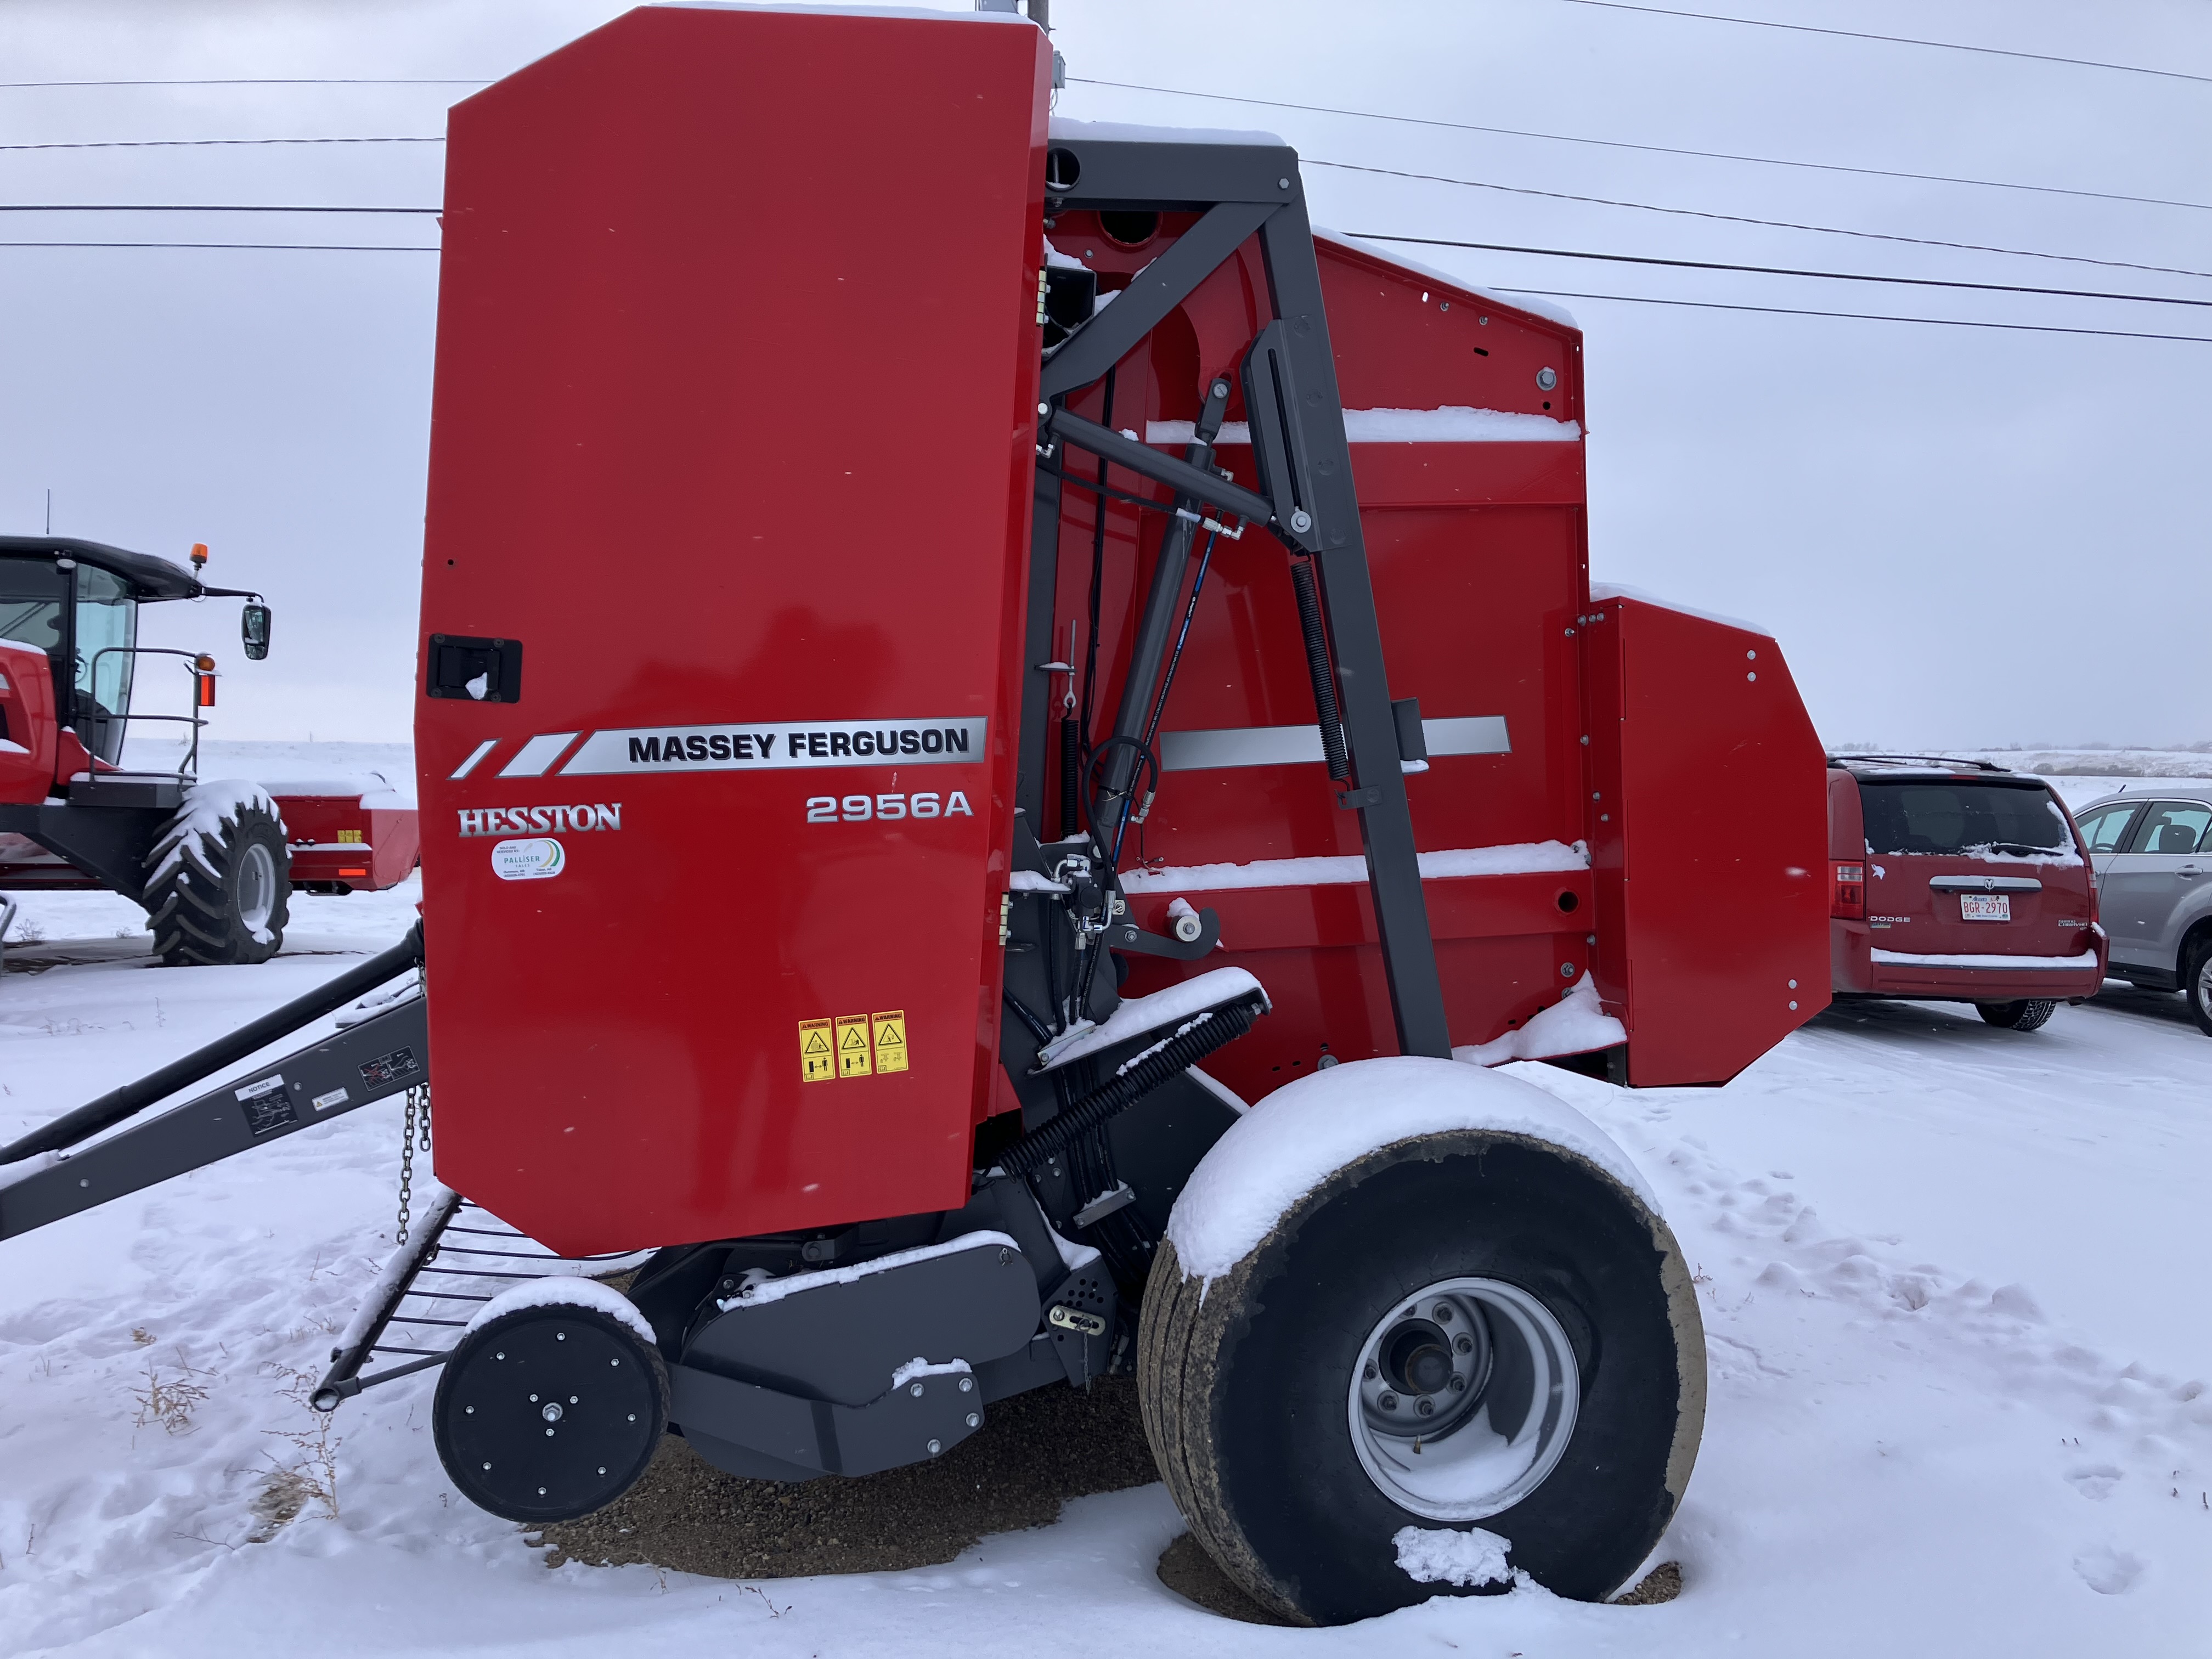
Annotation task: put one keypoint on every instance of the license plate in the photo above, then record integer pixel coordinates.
(1985, 907)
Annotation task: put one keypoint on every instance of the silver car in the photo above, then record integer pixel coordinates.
(2153, 853)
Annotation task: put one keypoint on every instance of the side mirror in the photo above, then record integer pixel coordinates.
(253, 629)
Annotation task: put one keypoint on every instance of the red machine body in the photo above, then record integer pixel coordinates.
(667, 457)
(728, 542)
(28, 729)
(342, 840)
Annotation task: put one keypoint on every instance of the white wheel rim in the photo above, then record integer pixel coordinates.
(1435, 1371)
(257, 888)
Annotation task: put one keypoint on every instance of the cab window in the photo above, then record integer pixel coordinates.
(107, 634)
(31, 596)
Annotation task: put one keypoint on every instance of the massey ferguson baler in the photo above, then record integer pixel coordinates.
(992, 708)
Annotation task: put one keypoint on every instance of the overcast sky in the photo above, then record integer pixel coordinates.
(1961, 536)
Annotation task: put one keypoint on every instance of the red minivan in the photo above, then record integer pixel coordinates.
(1957, 881)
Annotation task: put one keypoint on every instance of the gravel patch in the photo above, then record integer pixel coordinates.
(1191, 1573)
(1034, 1452)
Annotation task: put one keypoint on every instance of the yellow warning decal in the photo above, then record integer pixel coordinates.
(816, 1061)
(891, 1041)
(853, 1046)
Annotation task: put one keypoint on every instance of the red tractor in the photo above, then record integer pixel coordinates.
(1092, 731)
(210, 861)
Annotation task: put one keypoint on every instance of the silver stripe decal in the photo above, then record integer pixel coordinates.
(475, 755)
(1292, 746)
(1471, 734)
(538, 756)
(775, 745)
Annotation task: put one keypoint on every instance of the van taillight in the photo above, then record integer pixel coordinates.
(1850, 903)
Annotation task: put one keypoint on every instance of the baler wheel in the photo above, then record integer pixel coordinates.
(220, 897)
(1462, 1331)
(549, 1412)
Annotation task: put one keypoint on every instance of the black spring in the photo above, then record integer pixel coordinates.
(1120, 1093)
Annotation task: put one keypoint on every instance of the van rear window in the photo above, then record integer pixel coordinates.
(1928, 817)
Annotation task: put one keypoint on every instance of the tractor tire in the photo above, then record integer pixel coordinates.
(2024, 1016)
(1499, 1280)
(219, 896)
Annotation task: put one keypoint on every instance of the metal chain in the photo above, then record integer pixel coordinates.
(407, 1163)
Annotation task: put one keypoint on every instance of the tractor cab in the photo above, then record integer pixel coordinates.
(77, 602)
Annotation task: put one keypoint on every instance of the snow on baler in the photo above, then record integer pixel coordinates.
(1057, 783)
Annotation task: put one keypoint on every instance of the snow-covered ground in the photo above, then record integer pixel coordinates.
(1955, 1281)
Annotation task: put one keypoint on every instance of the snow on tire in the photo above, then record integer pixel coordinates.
(1469, 1342)
(218, 883)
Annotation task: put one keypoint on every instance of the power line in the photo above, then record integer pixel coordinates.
(190, 207)
(1654, 149)
(1742, 219)
(1893, 39)
(1788, 270)
(1862, 316)
(253, 80)
(279, 247)
(1563, 293)
(204, 144)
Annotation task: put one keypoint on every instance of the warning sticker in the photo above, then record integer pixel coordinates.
(890, 1040)
(391, 1068)
(853, 1059)
(816, 1059)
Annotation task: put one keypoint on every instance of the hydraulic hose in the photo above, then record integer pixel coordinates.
(132, 1098)
(1324, 683)
(1070, 777)
(1118, 1094)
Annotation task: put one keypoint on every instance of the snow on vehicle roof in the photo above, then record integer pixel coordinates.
(1306, 1130)
(1601, 590)
(1528, 302)
(1132, 132)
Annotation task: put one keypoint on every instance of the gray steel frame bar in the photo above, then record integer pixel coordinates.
(1241, 191)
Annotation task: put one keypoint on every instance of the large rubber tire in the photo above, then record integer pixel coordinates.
(2024, 1016)
(225, 897)
(1246, 1382)
(2196, 985)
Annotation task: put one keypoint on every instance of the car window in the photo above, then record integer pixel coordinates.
(2103, 830)
(1962, 817)
(2171, 826)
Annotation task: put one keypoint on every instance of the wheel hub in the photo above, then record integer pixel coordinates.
(1464, 1399)
(257, 887)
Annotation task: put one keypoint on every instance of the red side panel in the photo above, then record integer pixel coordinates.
(342, 838)
(1708, 836)
(737, 359)
(27, 724)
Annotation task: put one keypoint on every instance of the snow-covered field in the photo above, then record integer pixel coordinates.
(1956, 1287)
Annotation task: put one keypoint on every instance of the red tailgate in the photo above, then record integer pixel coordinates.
(732, 467)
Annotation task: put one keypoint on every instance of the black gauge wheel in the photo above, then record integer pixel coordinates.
(549, 1413)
